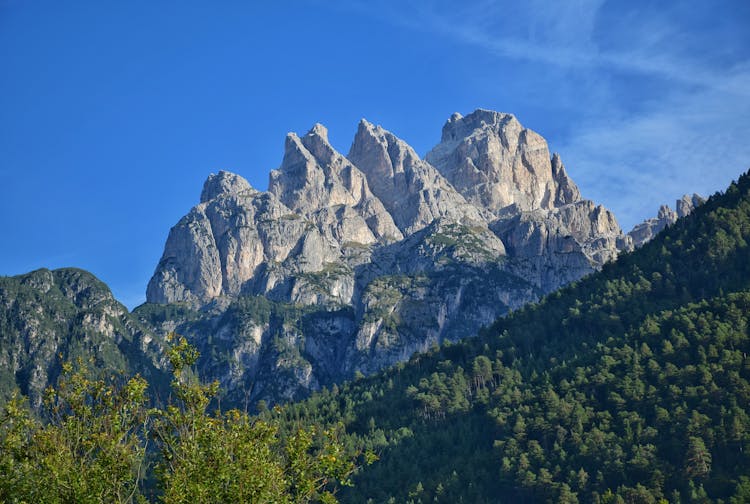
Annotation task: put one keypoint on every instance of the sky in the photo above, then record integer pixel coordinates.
(112, 114)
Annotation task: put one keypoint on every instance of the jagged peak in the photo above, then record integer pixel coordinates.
(306, 155)
(316, 142)
(318, 130)
(224, 182)
(688, 203)
(296, 154)
(458, 126)
(367, 129)
(369, 134)
(364, 123)
(666, 213)
(646, 230)
(292, 143)
(566, 190)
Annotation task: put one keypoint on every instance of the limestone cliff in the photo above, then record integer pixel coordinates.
(411, 189)
(351, 263)
(499, 165)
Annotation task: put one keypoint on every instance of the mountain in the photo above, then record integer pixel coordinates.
(630, 385)
(50, 317)
(352, 263)
(646, 230)
(533, 206)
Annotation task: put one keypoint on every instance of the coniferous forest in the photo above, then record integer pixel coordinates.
(630, 385)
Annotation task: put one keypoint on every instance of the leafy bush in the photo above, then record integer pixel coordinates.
(100, 441)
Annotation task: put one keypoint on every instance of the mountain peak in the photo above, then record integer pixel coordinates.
(646, 230)
(458, 126)
(364, 123)
(316, 141)
(223, 182)
(496, 163)
(688, 203)
(412, 190)
(318, 130)
(491, 175)
(567, 190)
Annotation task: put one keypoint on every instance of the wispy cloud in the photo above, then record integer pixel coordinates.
(693, 142)
(562, 35)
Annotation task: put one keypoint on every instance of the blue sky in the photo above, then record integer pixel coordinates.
(112, 114)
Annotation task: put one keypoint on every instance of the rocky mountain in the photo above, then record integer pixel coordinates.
(50, 317)
(352, 263)
(646, 230)
(411, 189)
(531, 203)
(499, 165)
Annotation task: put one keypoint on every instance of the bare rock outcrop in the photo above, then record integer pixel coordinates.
(354, 263)
(411, 189)
(554, 247)
(536, 209)
(499, 165)
(314, 178)
(646, 230)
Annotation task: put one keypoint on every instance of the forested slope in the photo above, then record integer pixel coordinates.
(631, 385)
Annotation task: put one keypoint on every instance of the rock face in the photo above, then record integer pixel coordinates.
(499, 165)
(323, 185)
(534, 207)
(226, 241)
(646, 230)
(558, 246)
(351, 263)
(411, 189)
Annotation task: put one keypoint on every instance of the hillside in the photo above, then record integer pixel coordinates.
(51, 317)
(632, 385)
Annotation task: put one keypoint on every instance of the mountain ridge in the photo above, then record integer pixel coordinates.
(333, 193)
(48, 317)
(352, 263)
(396, 252)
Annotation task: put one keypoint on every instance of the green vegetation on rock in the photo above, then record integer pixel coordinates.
(50, 317)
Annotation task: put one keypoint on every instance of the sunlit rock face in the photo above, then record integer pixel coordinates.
(355, 262)
(499, 165)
